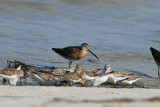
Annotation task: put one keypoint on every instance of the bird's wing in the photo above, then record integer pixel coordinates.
(67, 52)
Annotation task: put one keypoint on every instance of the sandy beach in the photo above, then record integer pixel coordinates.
(49, 96)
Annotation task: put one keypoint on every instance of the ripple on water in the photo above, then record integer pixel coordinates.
(155, 41)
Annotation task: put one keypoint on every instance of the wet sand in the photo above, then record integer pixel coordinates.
(49, 96)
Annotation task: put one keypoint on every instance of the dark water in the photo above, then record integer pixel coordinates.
(119, 32)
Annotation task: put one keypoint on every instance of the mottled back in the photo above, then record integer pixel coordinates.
(71, 53)
(46, 76)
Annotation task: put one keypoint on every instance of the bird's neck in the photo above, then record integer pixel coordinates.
(107, 70)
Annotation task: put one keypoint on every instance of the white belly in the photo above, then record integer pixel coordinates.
(74, 81)
(86, 77)
(99, 80)
(116, 79)
(128, 82)
(13, 81)
(8, 77)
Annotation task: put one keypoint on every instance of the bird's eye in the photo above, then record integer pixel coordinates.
(86, 46)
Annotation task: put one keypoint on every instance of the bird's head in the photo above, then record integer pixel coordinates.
(85, 46)
(78, 68)
(107, 68)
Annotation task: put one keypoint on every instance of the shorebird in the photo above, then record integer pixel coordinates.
(106, 69)
(62, 71)
(88, 76)
(156, 56)
(115, 76)
(43, 76)
(74, 53)
(12, 74)
(68, 75)
(131, 80)
(27, 73)
(4, 81)
(101, 79)
(10, 64)
(58, 75)
(73, 78)
(26, 68)
(105, 73)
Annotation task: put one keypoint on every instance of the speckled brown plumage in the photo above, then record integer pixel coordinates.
(133, 78)
(80, 72)
(46, 76)
(61, 72)
(71, 53)
(12, 71)
(91, 74)
(120, 74)
(71, 76)
(95, 71)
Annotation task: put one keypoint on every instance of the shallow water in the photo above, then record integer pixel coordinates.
(119, 32)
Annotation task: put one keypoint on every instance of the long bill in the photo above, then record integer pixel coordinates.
(93, 54)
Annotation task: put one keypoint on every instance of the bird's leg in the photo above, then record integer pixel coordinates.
(132, 86)
(20, 82)
(70, 83)
(114, 84)
(70, 62)
(123, 85)
(7, 63)
(4, 81)
(158, 72)
(25, 81)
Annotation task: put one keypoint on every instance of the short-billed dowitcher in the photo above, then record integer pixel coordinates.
(74, 53)
(156, 56)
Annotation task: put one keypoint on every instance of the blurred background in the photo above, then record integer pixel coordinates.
(119, 32)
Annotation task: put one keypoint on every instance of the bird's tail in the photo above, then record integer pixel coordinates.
(55, 49)
(58, 50)
(154, 51)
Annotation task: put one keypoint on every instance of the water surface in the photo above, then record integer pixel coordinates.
(119, 32)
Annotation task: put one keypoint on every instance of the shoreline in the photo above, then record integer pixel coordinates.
(48, 96)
